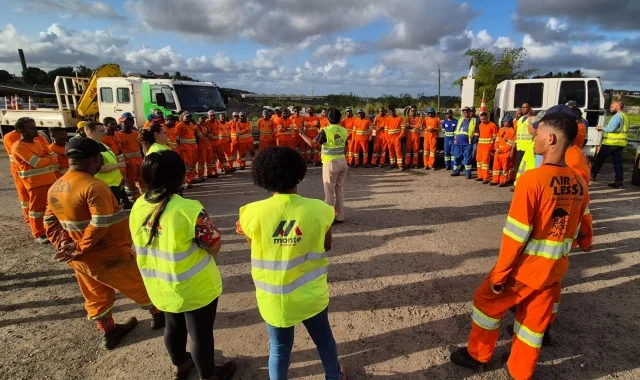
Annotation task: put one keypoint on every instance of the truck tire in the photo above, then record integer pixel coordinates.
(635, 177)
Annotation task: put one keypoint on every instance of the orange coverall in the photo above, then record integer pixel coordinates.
(267, 132)
(486, 143)
(33, 164)
(205, 151)
(224, 132)
(312, 129)
(395, 131)
(380, 140)
(413, 128)
(576, 159)
(219, 159)
(581, 136)
(548, 211)
(233, 129)
(188, 147)
(502, 159)
(299, 123)
(349, 123)
(171, 138)
(324, 122)
(286, 135)
(432, 126)
(245, 142)
(23, 195)
(82, 210)
(62, 161)
(130, 147)
(362, 136)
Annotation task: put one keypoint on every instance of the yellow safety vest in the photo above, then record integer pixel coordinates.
(333, 149)
(528, 162)
(178, 274)
(472, 128)
(155, 148)
(524, 139)
(288, 260)
(114, 177)
(619, 137)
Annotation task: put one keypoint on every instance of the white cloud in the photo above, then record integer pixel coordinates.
(556, 25)
(67, 8)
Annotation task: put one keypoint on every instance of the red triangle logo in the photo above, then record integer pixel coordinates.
(298, 232)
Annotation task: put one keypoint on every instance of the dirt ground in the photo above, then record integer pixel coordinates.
(402, 274)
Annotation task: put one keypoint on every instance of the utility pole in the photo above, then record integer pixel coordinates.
(438, 88)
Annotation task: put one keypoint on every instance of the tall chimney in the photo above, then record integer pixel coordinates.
(22, 60)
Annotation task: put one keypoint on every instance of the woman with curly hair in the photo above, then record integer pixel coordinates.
(289, 237)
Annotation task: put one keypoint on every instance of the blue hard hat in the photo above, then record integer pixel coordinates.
(431, 109)
(507, 118)
(150, 116)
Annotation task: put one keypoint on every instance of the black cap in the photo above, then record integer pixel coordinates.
(82, 148)
(484, 114)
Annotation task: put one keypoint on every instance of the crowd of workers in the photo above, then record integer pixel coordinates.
(73, 196)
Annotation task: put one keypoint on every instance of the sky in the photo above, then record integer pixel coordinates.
(366, 47)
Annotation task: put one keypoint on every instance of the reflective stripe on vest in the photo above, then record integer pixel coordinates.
(174, 277)
(131, 154)
(619, 137)
(549, 249)
(114, 177)
(449, 134)
(333, 148)
(167, 256)
(524, 139)
(519, 232)
(483, 320)
(187, 141)
(297, 283)
(36, 215)
(33, 161)
(528, 336)
(286, 264)
(244, 136)
(485, 141)
(470, 131)
(34, 172)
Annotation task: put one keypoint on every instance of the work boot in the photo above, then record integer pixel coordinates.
(401, 168)
(380, 166)
(461, 357)
(616, 185)
(494, 184)
(181, 372)
(157, 321)
(502, 185)
(189, 186)
(449, 168)
(485, 182)
(468, 176)
(223, 372)
(356, 166)
(113, 337)
(455, 174)
(242, 167)
(344, 374)
(214, 175)
(318, 163)
(367, 166)
(41, 240)
(512, 189)
(478, 179)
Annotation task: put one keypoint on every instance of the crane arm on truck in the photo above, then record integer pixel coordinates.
(88, 102)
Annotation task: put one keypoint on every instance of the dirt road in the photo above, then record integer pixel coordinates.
(402, 275)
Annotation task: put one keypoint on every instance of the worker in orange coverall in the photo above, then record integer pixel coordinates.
(233, 129)
(59, 137)
(413, 128)
(394, 132)
(205, 150)
(267, 128)
(349, 123)
(362, 136)
(91, 234)
(23, 195)
(285, 135)
(219, 159)
(186, 139)
(380, 141)
(549, 210)
(312, 129)
(33, 162)
(245, 140)
(324, 121)
(432, 126)
(298, 121)
(224, 138)
(503, 147)
(488, 132)
(129, 141)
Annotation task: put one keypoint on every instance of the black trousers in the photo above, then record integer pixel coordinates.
(519, 157)
(198, 324)
(616, 156)
(121, 196)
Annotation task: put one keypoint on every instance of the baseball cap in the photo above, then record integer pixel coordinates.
(277, 108)
(157, 117)
(186, 113)
(560, 108)
(82, 148)
(235, 114)
(81, 124)
(466, 109)
(348, 109)
(449, 112)
(211, 112)
(484, 113)
(507, 118)
(241, 114)
(572, 103)
(431, 109)
(360, 110)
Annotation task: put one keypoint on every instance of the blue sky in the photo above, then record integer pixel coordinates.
(370, 46)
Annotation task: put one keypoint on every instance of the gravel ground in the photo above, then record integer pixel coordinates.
(402, 275)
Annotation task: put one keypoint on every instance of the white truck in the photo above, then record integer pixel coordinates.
(110, 93)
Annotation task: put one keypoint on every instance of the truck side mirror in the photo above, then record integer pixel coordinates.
(161, 100)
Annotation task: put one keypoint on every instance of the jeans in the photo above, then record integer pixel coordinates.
(462, 156)
(616, 156)
(198, 324)
(281, 343)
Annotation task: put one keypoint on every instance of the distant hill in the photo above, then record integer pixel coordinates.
(233, 92)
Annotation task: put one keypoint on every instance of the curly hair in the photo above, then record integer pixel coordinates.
(278, 169)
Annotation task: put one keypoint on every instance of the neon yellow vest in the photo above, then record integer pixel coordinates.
(472, 128)
(155, 148)
(114, 177)
(333, 149)
(619, 137)
(524, 139)
(528, 162)
(179, 275)
(288, 260)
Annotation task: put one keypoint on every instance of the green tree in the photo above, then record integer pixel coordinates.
(83, 71)
(5, 76)
(35, 76)
(166, 76)
(568, 74)
(66, 71)
(491, 69)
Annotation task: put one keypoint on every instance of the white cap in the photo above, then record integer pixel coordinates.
(234, 114)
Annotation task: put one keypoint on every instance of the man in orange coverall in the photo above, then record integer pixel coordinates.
(91, 234)
(298, 121)
(129, 141)
(267, 128)
(233, 129)
(432, 125)
(59, 137)
(349, 123)
(312, 129)
(548, 211)
(362, 136)
(219, 158)
(324, 121)
(380, 140)
(34, 168)
(245, 140)
(505, 141)
(224, 138)
(486, 143)
(205, 150)
(394, 132)
(186, 138)
(414, 127)
(285, 131)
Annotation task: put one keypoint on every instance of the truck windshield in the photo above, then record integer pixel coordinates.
(199, 98)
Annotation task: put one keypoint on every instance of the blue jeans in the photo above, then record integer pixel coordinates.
(462, 156)
(281, 343)
(616, 156)
(448, 152)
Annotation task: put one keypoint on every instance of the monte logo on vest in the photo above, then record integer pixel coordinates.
(286, 235)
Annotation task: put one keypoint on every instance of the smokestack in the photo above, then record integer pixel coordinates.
(22, 60)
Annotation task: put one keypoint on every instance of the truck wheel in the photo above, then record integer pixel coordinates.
(635, 177)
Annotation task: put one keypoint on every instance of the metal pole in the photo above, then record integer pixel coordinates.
(438, 88)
